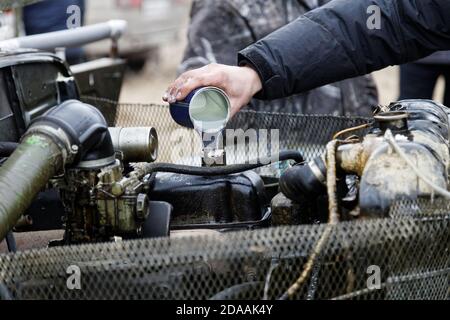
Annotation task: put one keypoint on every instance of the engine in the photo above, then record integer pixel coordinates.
(402, 155)
(99, 200)
(100, 183)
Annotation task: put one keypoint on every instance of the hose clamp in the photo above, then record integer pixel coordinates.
(58, 136)
(317, 172)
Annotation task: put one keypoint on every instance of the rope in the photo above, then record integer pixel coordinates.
(333, 219)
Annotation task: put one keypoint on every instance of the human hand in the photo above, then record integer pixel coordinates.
(239, 83)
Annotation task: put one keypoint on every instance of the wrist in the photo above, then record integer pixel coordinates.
(254, 80)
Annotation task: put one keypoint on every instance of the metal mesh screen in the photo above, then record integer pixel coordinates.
(411, 255)
(405, 256)
(307, 133)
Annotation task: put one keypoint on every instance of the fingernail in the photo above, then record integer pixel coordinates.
(165, 96)
(178, 95)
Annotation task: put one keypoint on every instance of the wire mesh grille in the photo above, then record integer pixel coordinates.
(307, 133)
(405, 256)
(411, 255)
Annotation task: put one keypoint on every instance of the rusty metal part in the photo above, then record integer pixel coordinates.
(342, 132)
(439, 189)
(387, 176)
(284, 211)
(98, 208)
(352, 157)
(397, 121)
(391, 116)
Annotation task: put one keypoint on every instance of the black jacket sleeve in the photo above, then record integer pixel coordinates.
(334, 42)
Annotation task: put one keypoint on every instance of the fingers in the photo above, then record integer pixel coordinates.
(191, 80)
(181, 87)
(240, 84)
(172, 94)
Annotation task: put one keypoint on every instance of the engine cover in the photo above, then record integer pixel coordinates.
(202, 202)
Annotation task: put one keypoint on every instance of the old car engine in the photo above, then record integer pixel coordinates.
(403, 155)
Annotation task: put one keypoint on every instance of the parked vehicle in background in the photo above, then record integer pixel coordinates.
(151, 23)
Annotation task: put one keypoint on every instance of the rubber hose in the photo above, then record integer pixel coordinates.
(24, 174)
(220, 171)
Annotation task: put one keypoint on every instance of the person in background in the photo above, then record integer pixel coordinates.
(219, 29)
(418, 79)
(53, 15)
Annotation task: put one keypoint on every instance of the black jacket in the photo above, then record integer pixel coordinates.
(218, 29)
(438, 58)
(333, 43)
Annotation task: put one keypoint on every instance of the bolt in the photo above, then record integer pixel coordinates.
(75, 148)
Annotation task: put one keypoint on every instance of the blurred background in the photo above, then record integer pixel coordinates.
(154, 44)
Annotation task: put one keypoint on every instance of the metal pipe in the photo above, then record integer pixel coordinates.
(139, 144)
(77, 37)
(24, 174)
